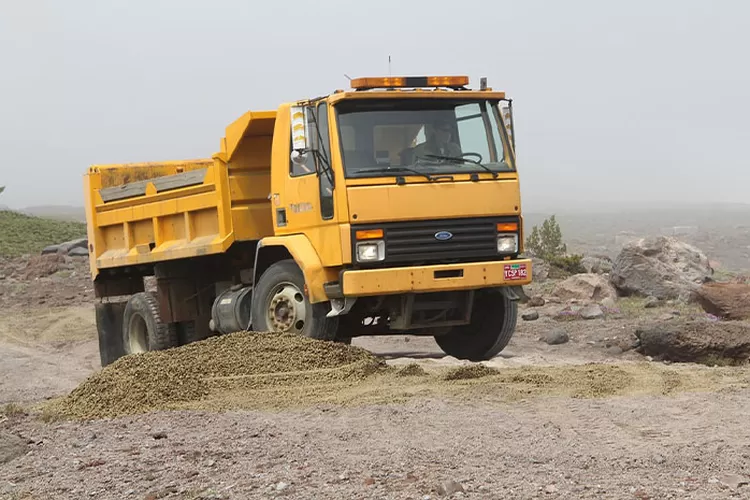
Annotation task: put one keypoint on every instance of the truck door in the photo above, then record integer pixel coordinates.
(308, 198)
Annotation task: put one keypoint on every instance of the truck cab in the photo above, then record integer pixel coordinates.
(389, 208)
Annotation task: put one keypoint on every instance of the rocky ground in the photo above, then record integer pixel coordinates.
(576, 406)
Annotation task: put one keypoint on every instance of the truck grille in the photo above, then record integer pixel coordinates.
(416, 242)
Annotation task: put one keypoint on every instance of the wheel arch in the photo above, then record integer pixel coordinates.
(298, 248)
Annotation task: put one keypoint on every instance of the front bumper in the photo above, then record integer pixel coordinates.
(436, 278)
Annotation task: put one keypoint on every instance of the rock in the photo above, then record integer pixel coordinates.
(11, 447)
(615, 350)
(592, 311)
(651, 302)
(550, 488)
(65, 248)
(597, 264)
(536, 301)
(733, 481)
(725, 300)
(696, 341)
(585, 287)
(78, 252)
(530, 316)
(281, 486)
(159, 435)
(609, 304)
(555, 337)
(540, 269)
(662, 267)
(449, 488)
(50, 249)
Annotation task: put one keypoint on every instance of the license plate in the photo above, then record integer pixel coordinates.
(515, 272)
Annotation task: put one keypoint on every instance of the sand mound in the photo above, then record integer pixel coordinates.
(469, 372)
(411, 370)
(170, 379)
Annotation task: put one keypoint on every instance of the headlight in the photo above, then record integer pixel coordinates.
(371, 251)
(507, 243)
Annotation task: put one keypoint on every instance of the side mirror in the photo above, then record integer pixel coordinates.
(299, 157)
(507, 114)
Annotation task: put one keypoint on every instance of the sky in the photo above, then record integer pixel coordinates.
(626, 103)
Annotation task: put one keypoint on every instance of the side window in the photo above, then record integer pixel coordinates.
(472, 131)
(326, 186)
(295, 169)
(495, 126)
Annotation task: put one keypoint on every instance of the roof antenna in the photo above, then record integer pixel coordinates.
(389, 65)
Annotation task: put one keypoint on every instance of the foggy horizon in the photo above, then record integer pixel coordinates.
(614, 104)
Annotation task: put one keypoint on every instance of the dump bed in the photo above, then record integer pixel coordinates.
(142, 213)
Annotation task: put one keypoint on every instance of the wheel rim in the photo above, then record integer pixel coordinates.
(137, 335)
(286, 311)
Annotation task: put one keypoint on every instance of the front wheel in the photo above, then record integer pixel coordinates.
(279, 305)
(493, 322)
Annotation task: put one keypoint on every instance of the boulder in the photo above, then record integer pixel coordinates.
(591, 311)
(540, 269)
(78, 252)
(586, 287)
(709, 342)
(726, 300)
(50, 249)
(65, 248)
(609, 304)
(661, 267)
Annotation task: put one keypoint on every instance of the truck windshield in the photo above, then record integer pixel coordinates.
(427, 137)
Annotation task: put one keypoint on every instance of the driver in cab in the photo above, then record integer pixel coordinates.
(438, 141)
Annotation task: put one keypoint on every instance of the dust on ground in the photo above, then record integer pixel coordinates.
(590, 418)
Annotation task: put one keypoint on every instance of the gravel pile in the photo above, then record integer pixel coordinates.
(465, 372)
(163, 380)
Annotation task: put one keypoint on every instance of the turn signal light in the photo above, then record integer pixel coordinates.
(507, 227)
(369, 234)
(409, 82)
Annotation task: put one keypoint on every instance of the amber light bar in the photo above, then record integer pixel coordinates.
(409, 82)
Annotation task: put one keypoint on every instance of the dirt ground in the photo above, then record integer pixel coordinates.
(589, 418)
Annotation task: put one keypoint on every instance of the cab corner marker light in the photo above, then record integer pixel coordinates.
(503, 227)
(369, 234)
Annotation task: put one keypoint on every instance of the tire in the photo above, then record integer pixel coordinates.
(142, 326)
(279, 292)
(493, 322)
(189, 332)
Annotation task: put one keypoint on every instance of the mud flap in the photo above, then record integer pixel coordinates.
(109, 326)
(514, 293)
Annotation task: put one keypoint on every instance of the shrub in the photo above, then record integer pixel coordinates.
(547, 244)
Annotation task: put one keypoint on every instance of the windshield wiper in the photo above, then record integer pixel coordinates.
(462, 160)
(396, 169)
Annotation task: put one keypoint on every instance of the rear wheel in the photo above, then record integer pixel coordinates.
(279, 305)
(493, 322)
(142, 326)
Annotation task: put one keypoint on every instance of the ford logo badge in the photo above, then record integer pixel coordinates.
(443, 235)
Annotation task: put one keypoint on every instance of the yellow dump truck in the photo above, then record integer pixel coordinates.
(392, 207)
